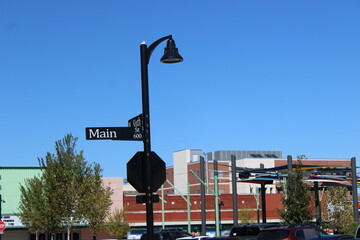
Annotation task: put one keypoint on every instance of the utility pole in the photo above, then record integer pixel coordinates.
(234, 190)
(354, 189)
(203, 200)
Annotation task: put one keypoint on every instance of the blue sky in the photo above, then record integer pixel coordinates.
(257, 75)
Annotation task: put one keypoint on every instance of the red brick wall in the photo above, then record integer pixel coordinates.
(176, 208)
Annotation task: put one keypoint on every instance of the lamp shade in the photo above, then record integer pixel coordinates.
(171, 54)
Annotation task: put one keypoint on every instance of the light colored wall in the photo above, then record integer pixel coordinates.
(116, 184)
(10, 180)
(181, 159)
(128, 188)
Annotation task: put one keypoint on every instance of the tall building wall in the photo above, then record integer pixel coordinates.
(10, 180)
(116, 184)
(181, 160)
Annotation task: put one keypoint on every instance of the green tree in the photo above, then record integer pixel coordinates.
(69, 188)
(340, 212)
(117, 226)
(297, 199)
(64, 174)
(96, 200)
(32, 205)
(36, 209)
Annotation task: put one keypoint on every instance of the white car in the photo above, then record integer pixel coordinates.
(194, 238)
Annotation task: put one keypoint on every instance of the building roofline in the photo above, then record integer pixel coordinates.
(1, 167)
(191, 149)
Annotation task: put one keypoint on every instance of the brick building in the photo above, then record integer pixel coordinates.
(174, 212)
(182, 176)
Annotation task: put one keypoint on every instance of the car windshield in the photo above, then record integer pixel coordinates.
(274, 235)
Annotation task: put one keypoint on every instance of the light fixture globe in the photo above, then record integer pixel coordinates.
(171, 54)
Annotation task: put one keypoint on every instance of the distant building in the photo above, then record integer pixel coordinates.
(173, 212)
(10, 180)
(181, 175)
(225, 155)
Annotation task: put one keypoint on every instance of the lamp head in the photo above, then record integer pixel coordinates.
(171, 54)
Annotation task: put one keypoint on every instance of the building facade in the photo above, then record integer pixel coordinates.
(185, 185)
(10, 180)
(182, 183)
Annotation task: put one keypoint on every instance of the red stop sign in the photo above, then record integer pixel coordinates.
(2, 226)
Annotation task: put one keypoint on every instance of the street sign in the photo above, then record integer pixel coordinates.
(136, 121)
(136, 172)
(114, 133)
(142, 198)
(2, 226)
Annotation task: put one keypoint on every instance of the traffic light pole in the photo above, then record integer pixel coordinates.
(216, 196)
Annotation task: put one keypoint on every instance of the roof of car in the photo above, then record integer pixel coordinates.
(255, 224)
(335, 236)
(289, 227)
(194, 237)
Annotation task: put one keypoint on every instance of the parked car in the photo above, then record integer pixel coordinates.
(209, 238)
(357, 233)
(167, 234)
(290, 233)
(193, 238)
(333, 237)
(223, 238)
(134, 234)
(225, 232)
(249, 231)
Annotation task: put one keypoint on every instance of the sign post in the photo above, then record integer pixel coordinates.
(139, 130)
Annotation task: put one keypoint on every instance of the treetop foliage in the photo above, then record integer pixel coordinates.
(297, 198)
(69, 191)
(339, 212)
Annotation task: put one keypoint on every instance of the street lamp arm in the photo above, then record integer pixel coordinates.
(151, 48)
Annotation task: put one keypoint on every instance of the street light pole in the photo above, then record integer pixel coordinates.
(171, 55)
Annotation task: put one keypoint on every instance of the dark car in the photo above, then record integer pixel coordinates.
(290, 233)
(223, 238)
(333, 237)
(249, 231)
(167, 234)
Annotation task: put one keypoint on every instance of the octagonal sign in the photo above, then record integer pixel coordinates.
(136, 172)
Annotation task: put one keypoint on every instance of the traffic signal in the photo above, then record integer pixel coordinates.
(244, 174)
